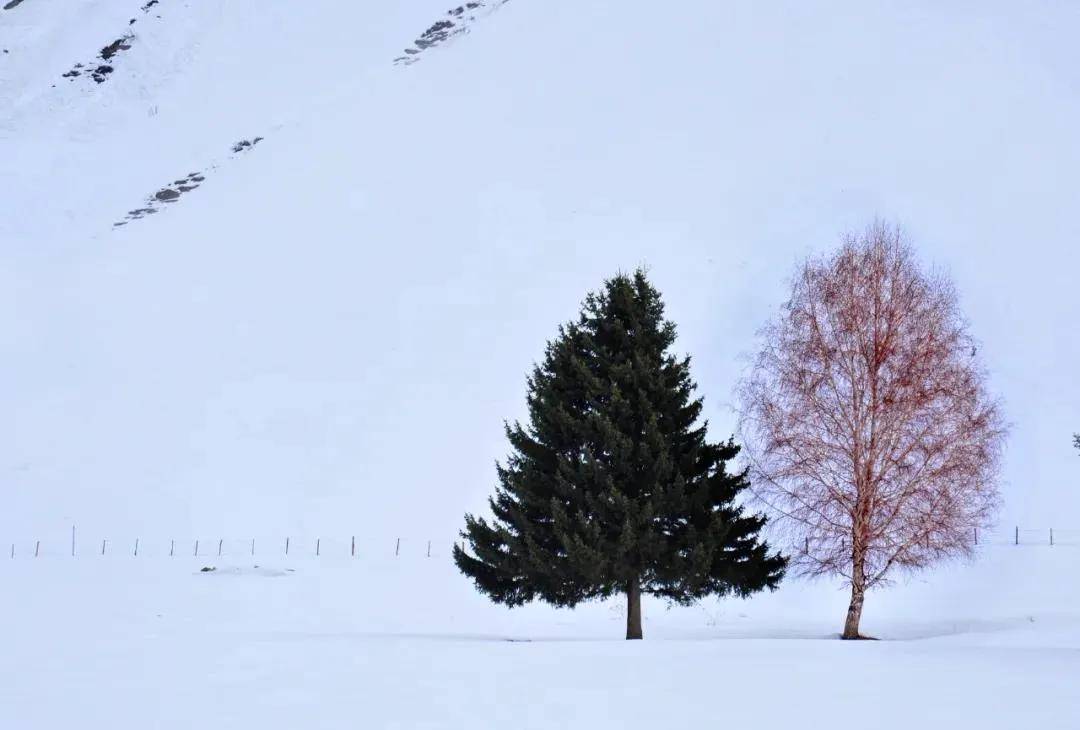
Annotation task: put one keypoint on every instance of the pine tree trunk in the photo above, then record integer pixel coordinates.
(633, 609)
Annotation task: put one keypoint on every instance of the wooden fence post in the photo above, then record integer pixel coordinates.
(352, 551)
(1051, 536)
(1016, 540)
(318, 546)
(73, 541)
(37, 548)
(252, 546)
(103, 546)
(172, 547)
(12, 551)
(429, 548)
(397, 548)
(196, 547)
(136, 547)
(286, 546)
(976, 535)
(219, 543)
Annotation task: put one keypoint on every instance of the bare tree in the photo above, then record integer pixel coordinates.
(867, 422)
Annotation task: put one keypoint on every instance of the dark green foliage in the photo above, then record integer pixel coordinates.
(613, 484)
(1076, 440)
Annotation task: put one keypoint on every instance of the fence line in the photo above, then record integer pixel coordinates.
(1018, 536)
(287, 546)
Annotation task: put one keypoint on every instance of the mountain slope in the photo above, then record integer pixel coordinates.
(328, 331)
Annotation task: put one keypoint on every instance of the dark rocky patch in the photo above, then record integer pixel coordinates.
(179, 187)
(108, 54)
(460, 10)
(245, 144)
(101, 72)
(435, 34)
(120, 44)
(13, 4)
(458, 21)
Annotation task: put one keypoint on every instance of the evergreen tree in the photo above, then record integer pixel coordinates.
(613, 487)
(1076, 440)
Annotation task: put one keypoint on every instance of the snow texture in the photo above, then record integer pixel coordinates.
(122, 643)
(327, 335)
(387, 265)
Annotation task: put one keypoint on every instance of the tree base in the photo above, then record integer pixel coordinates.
(633, 610)
(858, 637)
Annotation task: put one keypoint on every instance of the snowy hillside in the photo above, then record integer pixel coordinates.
(329, 326)
(277, 268)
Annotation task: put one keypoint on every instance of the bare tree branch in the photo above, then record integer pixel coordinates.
(867, 422)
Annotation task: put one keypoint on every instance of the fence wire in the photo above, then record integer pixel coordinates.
(284, 546)
(305, 546)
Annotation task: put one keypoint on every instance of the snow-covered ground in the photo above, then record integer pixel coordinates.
(324, 330)
(124, 643)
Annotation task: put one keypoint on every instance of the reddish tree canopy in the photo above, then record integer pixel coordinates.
(866, 419)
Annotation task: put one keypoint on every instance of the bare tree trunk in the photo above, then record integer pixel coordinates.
(854, 612)
(858, 593)
(633, 609)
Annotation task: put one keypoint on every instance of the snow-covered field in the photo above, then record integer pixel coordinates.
(325, 329)
(123, 643)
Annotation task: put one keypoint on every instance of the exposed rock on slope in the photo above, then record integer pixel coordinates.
(172, 193)
(457, 21)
